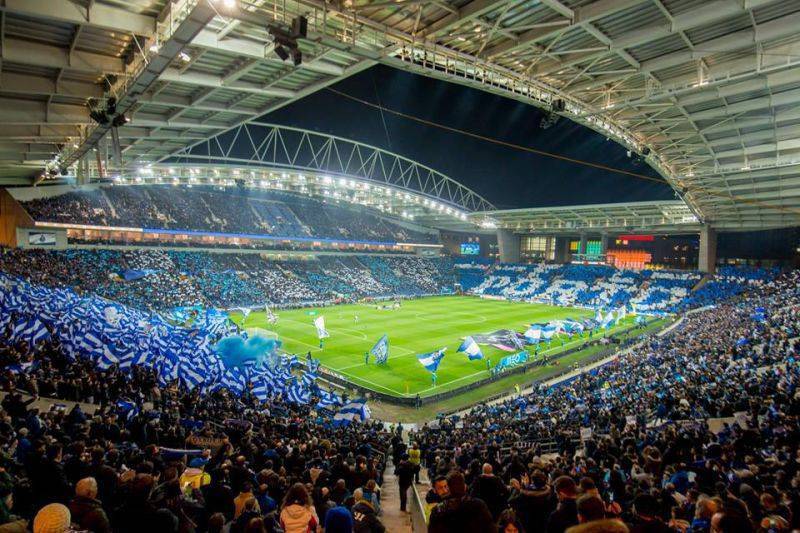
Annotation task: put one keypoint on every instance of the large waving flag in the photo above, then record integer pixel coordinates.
(353, 411)
(598, 316)
(431, 360)
(298, 393)
(548, 331)
(533, 334)
(608, 319)
(319, 322)
(471, 348)
(381, 350)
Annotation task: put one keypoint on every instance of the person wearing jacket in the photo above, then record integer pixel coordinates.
(365, 518)
(87, 511)
(297, 513)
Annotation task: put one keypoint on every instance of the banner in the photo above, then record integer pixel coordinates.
(511, 361)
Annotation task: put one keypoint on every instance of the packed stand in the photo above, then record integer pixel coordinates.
(213, 209)
(158, 280)
(628, 446)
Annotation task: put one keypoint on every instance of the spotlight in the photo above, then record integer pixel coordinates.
(119, 120)
(111, 106)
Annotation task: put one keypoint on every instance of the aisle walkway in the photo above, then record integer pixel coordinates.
(394, 519)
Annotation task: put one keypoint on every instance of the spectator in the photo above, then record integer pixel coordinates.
(460, 513)
(86, 510)
(405, 478)
(491, 490)
(365, 516)
(297, 513)
(566, 514)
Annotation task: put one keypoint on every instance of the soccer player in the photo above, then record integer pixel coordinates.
(366, 358)
(433, 378)
(356, 319)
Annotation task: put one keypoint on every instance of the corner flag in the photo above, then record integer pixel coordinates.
(381, 350)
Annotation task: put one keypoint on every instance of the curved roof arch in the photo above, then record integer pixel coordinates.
(276, 147)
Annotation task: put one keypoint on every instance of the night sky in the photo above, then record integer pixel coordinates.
(507, 177)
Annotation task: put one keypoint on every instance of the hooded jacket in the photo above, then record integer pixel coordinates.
(298, 519)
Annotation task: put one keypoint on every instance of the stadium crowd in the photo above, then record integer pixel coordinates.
(628, 446)
(223, 210)
(250, 467)
(159, 280)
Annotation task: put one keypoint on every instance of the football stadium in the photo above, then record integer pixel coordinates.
(364, 266)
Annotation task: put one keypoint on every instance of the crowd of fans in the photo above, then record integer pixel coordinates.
(629, 446)
(602, 286)
(164, 280)
(135, 465)
(232, 210)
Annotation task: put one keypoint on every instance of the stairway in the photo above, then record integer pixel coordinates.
(392, 517)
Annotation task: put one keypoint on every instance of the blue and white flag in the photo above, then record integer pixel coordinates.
(533, 334)
(381, 350)
(353, 411)
(471, 348)
(548, 331)
(31, 331)
(328, 399)
(431, 360)
(598, 316)
(319, 323)
(126, 409)
(23, 368)
(607, 320)
(298, 393)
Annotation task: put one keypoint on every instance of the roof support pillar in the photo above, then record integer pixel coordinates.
(508, 243)
(707, 256)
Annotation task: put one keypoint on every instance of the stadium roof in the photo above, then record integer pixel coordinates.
(706, 89)
(650, 217)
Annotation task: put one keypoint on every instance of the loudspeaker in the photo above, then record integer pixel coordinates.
(300, 27)
(282, 53)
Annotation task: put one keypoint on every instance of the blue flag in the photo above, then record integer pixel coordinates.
(471, 348)
(431, 360)
(354, 411)
(381, 350)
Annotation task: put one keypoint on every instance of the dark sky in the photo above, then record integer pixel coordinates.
(506, 176)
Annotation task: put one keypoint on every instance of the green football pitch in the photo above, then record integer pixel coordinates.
(418, 326)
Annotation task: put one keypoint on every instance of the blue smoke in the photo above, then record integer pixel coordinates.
(236, 351)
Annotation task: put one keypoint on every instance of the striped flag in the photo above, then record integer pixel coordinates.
(471, 348)
(354, 411)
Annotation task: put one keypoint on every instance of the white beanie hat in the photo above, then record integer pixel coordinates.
(52, 518)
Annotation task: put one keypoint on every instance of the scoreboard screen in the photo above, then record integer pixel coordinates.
(470, 248)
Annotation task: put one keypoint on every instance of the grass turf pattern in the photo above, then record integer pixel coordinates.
(418, 326)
